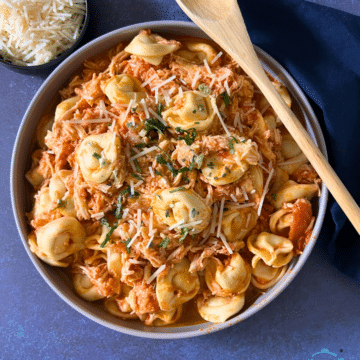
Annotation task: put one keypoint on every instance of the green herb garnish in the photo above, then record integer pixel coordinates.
(108, 235)
(61, 203)
(167, 213)
(137, 176)
(204, 89)
(118, 209)
(201, 107)
(193, 212)
(157, 172)
(96, 156)
(160, 160)
(134, 109)
(190, 136)
(128, 247)
(137, 166)
(154, 124)
(226, 98)
(194, 111)
(159, 109)
(231, 144)
(210, 165)
(184, 232)
(273, 196)
(164, 243)
(178, 189)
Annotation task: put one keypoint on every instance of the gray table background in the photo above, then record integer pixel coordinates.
(319, 309)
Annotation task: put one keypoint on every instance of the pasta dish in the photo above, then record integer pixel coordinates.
(164, 181)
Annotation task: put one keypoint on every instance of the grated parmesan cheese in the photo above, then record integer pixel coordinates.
(207, 67)
(151, 172)
(164, 83)
(148, 81)
(220, 216)
(195, 79)
(266, 188)
(150, 149)
(33, 32)
(155, 274)
(221, 120)
(223, 239)
(216, 57)
(143, 103)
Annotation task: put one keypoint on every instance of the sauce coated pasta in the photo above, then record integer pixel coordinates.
(164, 178)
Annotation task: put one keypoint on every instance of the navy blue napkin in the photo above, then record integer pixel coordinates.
(320, 47)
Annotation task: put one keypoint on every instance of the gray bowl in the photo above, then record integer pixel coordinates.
(57, 278)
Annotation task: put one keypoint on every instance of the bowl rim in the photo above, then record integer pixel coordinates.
(51, 63)
(313, 128)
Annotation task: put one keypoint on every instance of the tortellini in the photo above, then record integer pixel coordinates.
(237, 223)
(191, 110)
(43, 203)
(257, 178)
(274, 250)
(66, 105)
(46, 123)
(220, 171)
(292, 164)
(264, 276)
(151, 47)
(85, 288)
(174, 205)
(123, 88)
(280, 221)
(217, 309)
(58, 190)
(292, 191)
(162, 318)
(99, 156)
(119, 305)
(176, 285)
(289, 147)
(197, 52)
(34, 176)
(60, 238)
(114, 263)
(233, 277)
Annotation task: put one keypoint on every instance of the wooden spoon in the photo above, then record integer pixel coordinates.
(223, 22)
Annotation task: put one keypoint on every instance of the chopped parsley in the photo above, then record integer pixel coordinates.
(167, 213)
(193, 212)
(157, 172)
(128, 191)
(160, 160)
(178, 189)
(155, 125)
(231, 144)
(164, 243)
(184, 233)
(273, 196)
(194, 111)
(96, 156)
(226, 98)
(210, 165)
(108, 235)
(190, 136)
(134, 109)
(159, 109)
(128, 247)
(137, 176)
(61, 203)
(204, 89)
(118, 209)
(201, 107)
(137, 166)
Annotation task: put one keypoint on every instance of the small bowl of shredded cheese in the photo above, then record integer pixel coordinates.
(37, 34)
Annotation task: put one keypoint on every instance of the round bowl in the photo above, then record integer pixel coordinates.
(52, 63)
(57, 278)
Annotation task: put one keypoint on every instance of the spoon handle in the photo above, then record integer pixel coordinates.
(228, 29)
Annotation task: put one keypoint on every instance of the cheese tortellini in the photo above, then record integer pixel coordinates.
(292, 191)
(175, 205)
(233, 277)
(191, 110)
(84, 287)
(197, 52)
(176, 285)
(264, 276)
(123, 88)
(237, 223)
(274, 250)
(60, 238)
(99, 158)
(220, 170)
(217, 309)
(66, 105)
(151, 47)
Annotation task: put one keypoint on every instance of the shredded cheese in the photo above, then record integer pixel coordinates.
(207, 67)
(241, 206)
(216, 57)
(266, 188)
(144, 152)
(148, 81)
(164, 83)
(233, 197)
(33, 32)
(213, 220)
(195, 79)
(143, 103)
(155, 274)
(190, 224)
(98, 215)
(127, 110)
(244, 193)
(151, 172)
(176, 225)
(221, 120)
(131, 187)
(222, 203)
(223, 239)
(227, 87)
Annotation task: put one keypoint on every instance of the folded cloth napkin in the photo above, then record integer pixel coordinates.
(320, 47)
